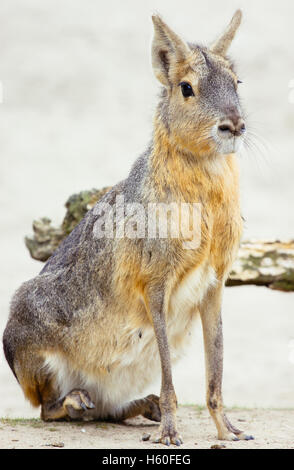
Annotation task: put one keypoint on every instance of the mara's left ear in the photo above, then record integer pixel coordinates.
(167, 50)
(222, 45)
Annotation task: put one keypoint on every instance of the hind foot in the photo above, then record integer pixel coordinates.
(147, 407)
(77, 402)
(152, 408)
(73, 406)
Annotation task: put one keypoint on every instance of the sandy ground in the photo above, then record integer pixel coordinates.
(272, 429)
(78, 100)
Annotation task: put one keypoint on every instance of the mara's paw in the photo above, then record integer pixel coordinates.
(230, 436)
(244, 437)
(77, 402)
(152, 408)
(232, 433)
(168, 437)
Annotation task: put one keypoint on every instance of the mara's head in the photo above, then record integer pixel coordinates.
(200, 104)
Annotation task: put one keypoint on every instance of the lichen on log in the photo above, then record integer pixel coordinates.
(267, 263)
(46, 238)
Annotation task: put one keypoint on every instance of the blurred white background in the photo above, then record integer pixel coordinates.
(78, 101)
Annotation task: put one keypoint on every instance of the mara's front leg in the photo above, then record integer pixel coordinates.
(167, 402)
(210, 312)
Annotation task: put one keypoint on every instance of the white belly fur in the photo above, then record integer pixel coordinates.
(140, 365)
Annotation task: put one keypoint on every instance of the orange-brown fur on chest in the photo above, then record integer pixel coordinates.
(211, 181)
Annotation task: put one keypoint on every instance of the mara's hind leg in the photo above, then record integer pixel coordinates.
(40, 385)
(74, 405)
(147, 407)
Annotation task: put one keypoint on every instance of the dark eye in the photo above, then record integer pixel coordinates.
(187, 90)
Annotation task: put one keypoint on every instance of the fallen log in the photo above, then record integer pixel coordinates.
(267, 263)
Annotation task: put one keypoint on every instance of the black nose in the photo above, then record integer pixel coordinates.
(232, 126)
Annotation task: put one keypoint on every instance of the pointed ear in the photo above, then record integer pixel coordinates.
(223, 43)
(167, 50)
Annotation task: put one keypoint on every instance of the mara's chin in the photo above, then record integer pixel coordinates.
(230, 145)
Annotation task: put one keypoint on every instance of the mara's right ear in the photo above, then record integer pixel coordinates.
(167, 50)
